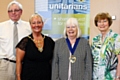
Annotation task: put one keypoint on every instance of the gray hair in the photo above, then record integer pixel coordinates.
(14, 2)
(74, 22)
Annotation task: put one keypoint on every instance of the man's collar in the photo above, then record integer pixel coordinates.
(12, 22)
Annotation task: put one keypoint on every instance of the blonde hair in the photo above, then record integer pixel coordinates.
(35, 15)
(74, 22)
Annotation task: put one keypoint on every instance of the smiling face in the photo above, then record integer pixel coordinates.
(71, 31)
(36, 24)
(14, 12)
(103, 25)
(103, 21)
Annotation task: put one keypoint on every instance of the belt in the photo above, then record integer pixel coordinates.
(9, 60)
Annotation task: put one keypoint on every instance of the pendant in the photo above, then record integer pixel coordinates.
(72, 59)
(40, 49)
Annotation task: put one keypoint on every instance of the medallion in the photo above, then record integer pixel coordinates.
(72, 59)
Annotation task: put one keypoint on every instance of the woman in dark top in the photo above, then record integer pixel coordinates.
(34, 53)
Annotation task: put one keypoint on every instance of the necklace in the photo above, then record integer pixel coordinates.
(38, 43)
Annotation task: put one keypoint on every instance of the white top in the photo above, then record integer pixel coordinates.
(69, 70)
(6, 36)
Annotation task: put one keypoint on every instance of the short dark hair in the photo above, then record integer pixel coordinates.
(103, 15)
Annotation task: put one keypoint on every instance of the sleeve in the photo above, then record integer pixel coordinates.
(92, 46)
(117, 46)
(51, 42)
(55, 63)
(22, 44)
(88, 63)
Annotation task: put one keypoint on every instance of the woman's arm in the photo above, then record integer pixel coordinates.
(118, 69)
(117, 52)
(19, 57)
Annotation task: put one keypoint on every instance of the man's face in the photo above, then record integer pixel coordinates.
(14, 12)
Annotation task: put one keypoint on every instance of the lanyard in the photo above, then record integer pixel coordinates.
(72, 50)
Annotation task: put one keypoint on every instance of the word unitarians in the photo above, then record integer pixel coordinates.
(66, 6)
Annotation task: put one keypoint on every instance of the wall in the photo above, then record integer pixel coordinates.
(28, 9)
(96, 6)
(111, 6)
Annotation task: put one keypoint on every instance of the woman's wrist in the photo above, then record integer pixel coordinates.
(117, 77)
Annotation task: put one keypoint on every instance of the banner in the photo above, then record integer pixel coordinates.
(56, 12)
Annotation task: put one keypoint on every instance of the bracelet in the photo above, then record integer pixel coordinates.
(117, 77)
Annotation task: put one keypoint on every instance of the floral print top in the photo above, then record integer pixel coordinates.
(104, 56)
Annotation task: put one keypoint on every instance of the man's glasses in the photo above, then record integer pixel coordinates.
(16, 10)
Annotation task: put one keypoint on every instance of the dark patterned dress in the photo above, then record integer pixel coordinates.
(36, 65)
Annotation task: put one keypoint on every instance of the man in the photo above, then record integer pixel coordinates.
(7, 39)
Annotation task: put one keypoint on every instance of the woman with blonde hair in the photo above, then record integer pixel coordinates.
(34, 53)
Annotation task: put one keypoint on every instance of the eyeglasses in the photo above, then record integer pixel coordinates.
(16, 10)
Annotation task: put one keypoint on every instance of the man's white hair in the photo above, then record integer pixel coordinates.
(14, 2)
